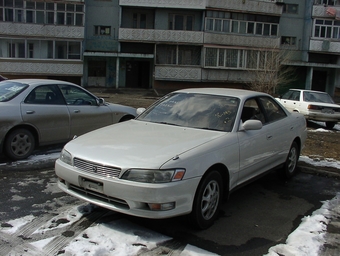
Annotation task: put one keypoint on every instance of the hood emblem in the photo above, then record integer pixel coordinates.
(94, 169)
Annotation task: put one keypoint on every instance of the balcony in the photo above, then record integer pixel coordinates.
(45, 31)
(261, 6)
(182, 4)
(325, 46)
(41, 67)
(172, 73)
(322, 11)
(197, 74)
(241, 40)
(264, 7)
(156, 36)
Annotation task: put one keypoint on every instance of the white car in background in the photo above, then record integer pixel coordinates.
(183, 154)
(314, 105)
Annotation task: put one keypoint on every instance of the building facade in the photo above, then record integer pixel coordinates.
(170, 44)
(42, 39)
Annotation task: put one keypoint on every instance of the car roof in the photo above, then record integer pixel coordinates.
(32, 82)
(239, 93)
(302, 90)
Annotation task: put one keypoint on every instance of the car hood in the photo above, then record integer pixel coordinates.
(138, 144)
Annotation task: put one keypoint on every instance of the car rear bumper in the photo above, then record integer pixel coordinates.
(323, 117)
(132, 198)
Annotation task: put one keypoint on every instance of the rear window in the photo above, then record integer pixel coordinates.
(9, 90)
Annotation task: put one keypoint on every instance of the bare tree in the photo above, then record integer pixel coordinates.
(270, 69)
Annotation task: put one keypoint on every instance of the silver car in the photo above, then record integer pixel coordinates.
(35, 112)
(183, 154)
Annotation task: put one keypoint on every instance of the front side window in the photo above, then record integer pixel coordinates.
(272, 110)
(77, 96)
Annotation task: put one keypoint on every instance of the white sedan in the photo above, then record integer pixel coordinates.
(314, 105)
(183, 154)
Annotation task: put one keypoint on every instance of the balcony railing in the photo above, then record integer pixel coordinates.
(44, 31)
(326, 46)
(153, 36)
(241, 40)
(40, 67)
(178, 73)
(183, 4)
(259, 6)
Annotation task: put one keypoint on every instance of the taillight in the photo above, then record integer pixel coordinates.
(314, 107)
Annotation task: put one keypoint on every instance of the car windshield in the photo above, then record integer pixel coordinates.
(9, 90)
(317, 97)
(211, 112)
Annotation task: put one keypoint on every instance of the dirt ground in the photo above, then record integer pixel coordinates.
(319, 145)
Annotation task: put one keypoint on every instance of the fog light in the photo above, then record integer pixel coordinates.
(162, 207)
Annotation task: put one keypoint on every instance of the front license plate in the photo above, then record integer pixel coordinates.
(327, 111)
(91, 185)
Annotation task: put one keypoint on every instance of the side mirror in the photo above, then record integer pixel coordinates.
(250, 125)
(140, 111)
(100, 101)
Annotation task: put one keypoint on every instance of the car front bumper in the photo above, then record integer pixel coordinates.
(132, 198)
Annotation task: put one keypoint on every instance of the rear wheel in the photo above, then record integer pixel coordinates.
(19, 144)
(207, 201)
(289, 168)
(330, 125)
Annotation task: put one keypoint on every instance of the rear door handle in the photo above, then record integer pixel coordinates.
(29, 112)
(269, 137)
(76, 111)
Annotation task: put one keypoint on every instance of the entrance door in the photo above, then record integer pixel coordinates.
(319, 80)
(137, 74)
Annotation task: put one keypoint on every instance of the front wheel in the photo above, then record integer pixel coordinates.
(19, 144)
(289, 168)
(330, 125)
(207, 200)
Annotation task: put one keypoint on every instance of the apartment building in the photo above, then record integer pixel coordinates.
(42, 39)
(170, 44)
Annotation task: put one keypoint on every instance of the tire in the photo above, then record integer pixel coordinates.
(330, 125)
(289, 168)
(207, 201)
(19, 144)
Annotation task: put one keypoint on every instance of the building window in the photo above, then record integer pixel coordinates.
(181, 22)
(229, 22)
(178, 55)
(327, 29)
(41, 49)
(291, 8)
(139, 20)
(287, 40)
(327, 2)
(42, 12)
(236, 58)
(102, 30)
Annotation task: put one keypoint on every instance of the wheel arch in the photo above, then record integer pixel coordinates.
(23, 126)
(126, 118)
(224, 172)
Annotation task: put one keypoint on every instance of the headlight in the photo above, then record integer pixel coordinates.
(66, 157)
(153, 176)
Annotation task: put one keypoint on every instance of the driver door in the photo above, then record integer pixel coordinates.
(85, 114)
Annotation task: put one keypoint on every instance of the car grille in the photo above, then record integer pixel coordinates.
(97, 169)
